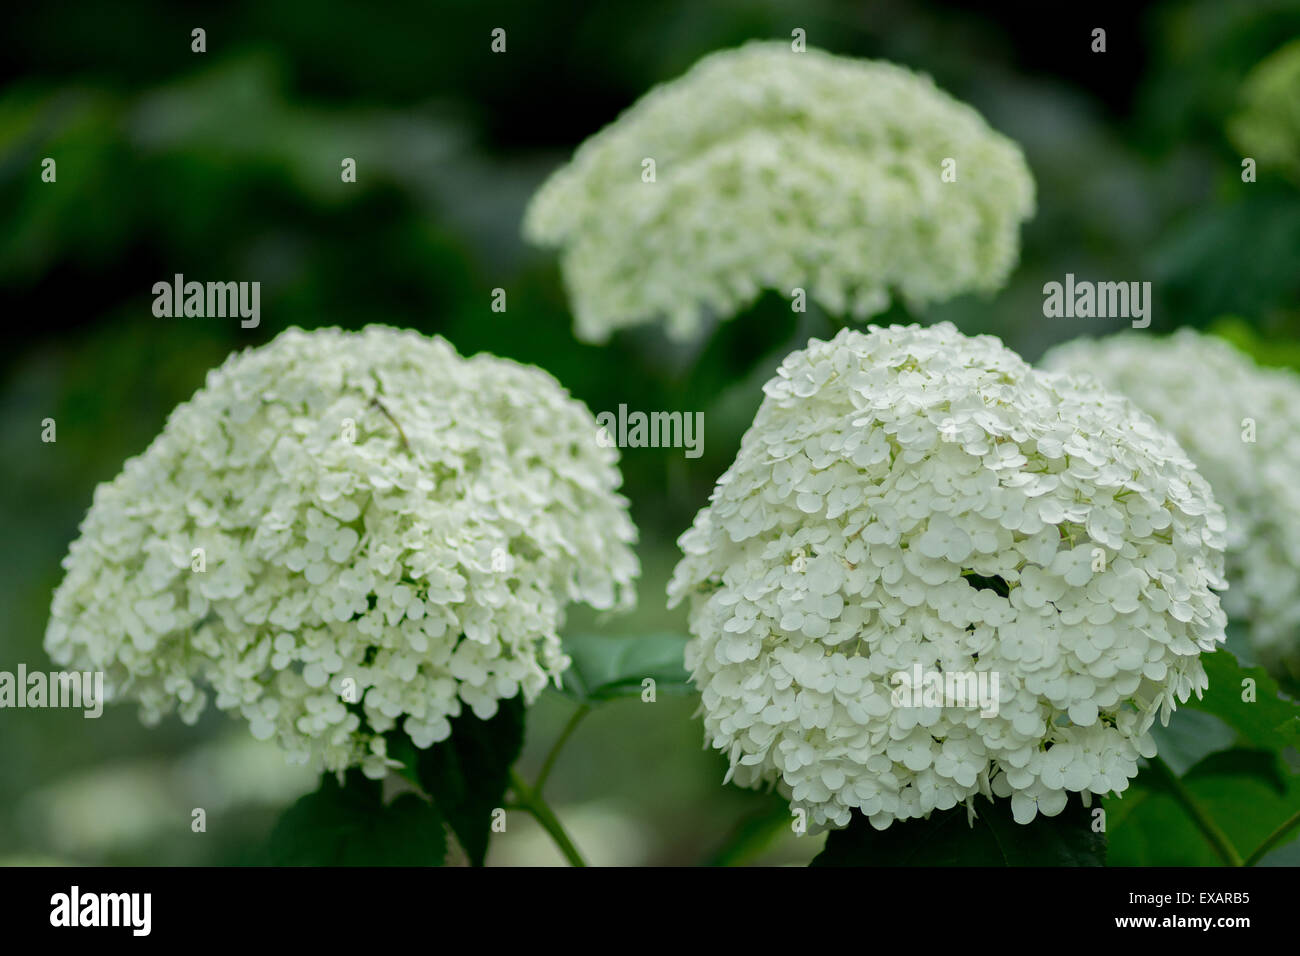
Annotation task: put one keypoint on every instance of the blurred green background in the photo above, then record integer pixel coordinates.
(225, 165)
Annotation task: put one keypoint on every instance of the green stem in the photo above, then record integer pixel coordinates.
(532, 801)
(1274, 839)
(1209, 829)
(565, 734)
(389, 415)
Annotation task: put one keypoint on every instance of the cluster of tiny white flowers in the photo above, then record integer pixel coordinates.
(782, 170)
(1202, 390)
(1267, 126)
(888, 482)
(389, 532)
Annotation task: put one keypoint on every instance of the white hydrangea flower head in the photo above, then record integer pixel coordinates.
(782, 170)
(389, 534)
(1203, 391)
(1267, 126)
(913, 497)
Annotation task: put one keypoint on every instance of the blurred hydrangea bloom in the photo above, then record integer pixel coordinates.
(1202, 390)
(388, 533)
(912, 497)
(1267, 127)
(782, 170)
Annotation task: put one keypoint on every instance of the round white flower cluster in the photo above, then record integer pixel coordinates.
(343, 532)
(912, 498)
(782, 170)
(1267, 127)
(1240, 423)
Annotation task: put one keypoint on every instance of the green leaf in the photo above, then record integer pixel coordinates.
(607, 668)
(1282, 353)
(401, 749)
(349, 825)
(1263, 765)
(1191, 736)
(1271, 721)
(1247, 792)
(1232, 257)
(946, 839)
(467, 774)
(754, 833)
